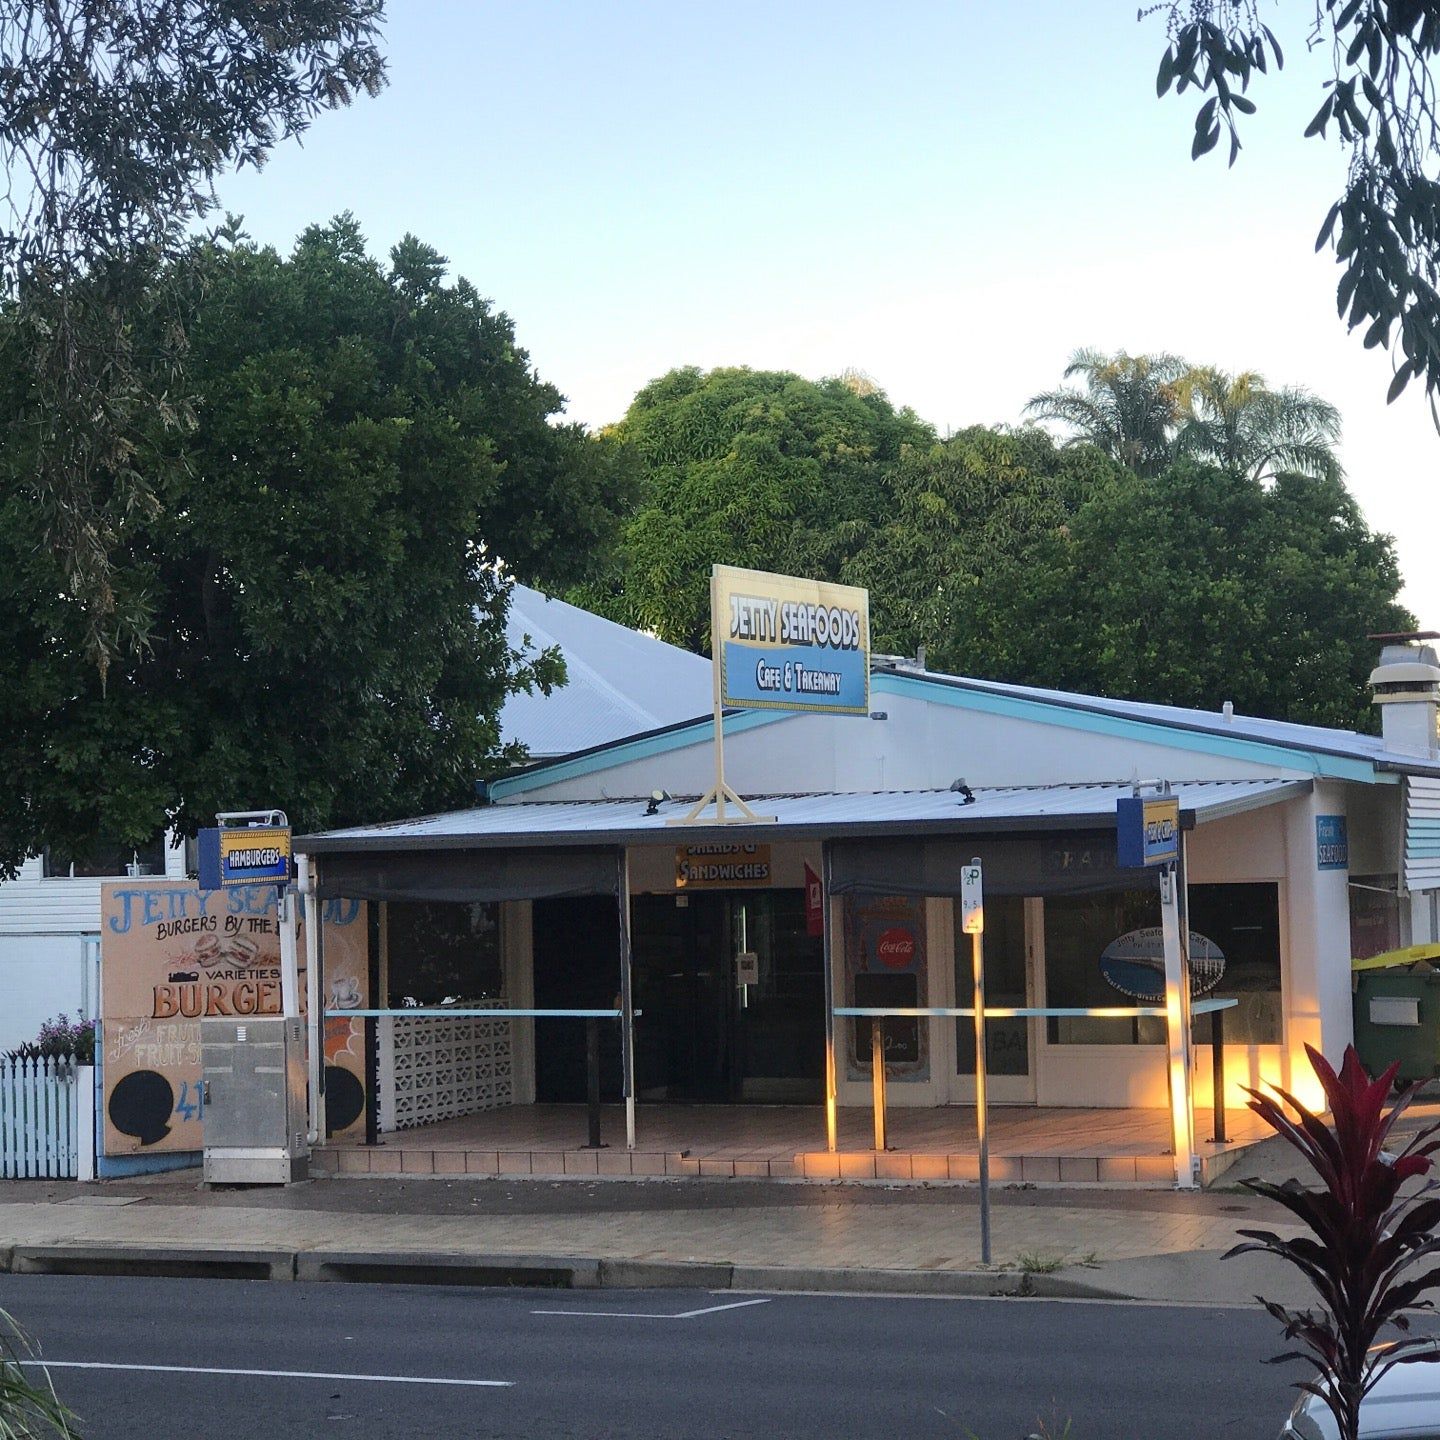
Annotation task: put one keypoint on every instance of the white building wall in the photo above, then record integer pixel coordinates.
(919, 746)
(1316, 921)
(31, 904)
(45, 960)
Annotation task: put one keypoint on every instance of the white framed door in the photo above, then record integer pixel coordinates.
(1013, 936)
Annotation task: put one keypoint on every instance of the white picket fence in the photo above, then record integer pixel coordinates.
(40, 1128)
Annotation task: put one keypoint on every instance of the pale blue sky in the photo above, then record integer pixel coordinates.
(950, 197)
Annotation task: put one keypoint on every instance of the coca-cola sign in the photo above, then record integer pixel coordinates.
(895, 949)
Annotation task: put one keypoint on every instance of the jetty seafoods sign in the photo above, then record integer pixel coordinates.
(788, 644)
(1134, 964)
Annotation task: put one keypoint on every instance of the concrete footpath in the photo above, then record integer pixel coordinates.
(1137, 1244)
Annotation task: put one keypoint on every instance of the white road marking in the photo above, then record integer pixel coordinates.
(655, 1315)
(267, 1374)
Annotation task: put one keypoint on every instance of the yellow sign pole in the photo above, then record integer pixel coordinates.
(972, 923)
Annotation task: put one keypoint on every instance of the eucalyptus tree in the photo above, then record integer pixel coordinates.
(1380, 99)
(117, 117)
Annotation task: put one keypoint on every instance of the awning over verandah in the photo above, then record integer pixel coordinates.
(1046, 840)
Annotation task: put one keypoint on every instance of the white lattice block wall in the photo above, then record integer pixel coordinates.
(434, 1068)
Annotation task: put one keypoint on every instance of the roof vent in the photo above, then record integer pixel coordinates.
(1404, 672)
(1406, 684)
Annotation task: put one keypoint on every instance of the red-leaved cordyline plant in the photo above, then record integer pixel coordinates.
(1366, 1237)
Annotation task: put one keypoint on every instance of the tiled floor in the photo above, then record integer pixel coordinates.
(782, 1141)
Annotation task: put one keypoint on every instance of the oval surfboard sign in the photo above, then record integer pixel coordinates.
(1134, 964)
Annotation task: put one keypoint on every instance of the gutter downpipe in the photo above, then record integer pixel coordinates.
(831, 1115)
(314, 1009)
(627, 997)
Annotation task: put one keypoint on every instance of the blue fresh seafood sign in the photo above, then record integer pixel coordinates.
(1147, 831)
(1332, 843)
(783, 643)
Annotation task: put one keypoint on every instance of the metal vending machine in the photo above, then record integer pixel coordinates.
(254, 1093)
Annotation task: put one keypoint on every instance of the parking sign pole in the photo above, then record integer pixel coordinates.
(972, 912)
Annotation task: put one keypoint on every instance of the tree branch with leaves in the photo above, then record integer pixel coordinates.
(1381, 102)
(115, 121)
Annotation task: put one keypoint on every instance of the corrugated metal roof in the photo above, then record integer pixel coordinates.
(620, 681)
(903, 812)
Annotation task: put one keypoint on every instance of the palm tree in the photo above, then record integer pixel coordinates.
(1238, 423)
(1130, 406)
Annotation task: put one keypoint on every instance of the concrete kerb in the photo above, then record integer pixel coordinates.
(539, 1271)
(176, 1262)
(1016, 1284)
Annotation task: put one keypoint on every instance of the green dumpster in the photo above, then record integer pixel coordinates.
(1397, 1017)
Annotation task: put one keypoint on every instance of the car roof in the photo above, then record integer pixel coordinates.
(1404, 1405)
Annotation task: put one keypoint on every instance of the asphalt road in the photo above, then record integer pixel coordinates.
(671, 1364)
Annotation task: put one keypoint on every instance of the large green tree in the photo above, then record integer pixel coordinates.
(325, 574)
(746, 467)
(967, 525)
(1380, 99)
(116, 116)
(1190, 588)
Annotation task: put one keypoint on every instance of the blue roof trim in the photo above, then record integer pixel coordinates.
(1099, 722)
(620, 752)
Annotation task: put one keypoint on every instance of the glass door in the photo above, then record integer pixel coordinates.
(780, 1015)
(1009, 1043)
(680, 950)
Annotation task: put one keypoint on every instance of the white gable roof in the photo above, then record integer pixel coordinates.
(620, 682)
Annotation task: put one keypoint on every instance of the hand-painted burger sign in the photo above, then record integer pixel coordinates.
(1135, 964)
(171, 954)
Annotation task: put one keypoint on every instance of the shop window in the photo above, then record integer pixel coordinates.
(1078, 928)
(1244, 923)
(1241, 921)
(444, 952)
(105, 859)
(1007, 1041)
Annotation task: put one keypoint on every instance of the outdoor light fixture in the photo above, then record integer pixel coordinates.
(967, 795)
(657, 799)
